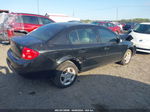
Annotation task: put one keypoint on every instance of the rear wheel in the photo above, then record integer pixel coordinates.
(65, 75)
(127, 57)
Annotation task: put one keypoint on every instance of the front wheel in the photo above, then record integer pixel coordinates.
(127, 57)
(66, 74)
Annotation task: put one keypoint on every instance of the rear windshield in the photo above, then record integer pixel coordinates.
(46, 32)
(142, 28)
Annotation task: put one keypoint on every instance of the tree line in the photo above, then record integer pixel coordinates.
(139, 20)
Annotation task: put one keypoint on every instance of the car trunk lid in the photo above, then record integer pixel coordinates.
(18, 43)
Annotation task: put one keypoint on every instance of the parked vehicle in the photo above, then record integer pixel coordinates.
(67, 48)
(119, 24)
(141, 37)
(21, 23)
(109, 25)
(61, 17)
(128, 26)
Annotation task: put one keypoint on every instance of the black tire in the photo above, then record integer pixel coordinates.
(62, 70)
(124, 61)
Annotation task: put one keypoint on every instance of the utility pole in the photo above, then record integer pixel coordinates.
(73, 13)
(38, 11)
(117, 13)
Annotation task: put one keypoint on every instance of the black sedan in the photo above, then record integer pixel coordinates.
(67, 48)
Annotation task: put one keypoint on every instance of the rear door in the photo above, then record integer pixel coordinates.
(114, 49)
(30, 23)
(85, 46)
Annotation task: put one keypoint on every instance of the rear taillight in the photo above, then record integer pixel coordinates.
(29, 54)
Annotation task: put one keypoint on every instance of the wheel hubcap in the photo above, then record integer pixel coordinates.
(127, 57)
(67, 76)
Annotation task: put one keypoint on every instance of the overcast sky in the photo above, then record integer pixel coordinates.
(84, 9)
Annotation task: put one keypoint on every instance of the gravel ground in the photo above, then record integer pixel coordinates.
(109, 87)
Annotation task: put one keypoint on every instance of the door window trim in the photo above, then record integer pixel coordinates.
(30, 16)
(85, 27)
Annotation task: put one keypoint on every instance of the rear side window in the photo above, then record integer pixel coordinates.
(107, 36)
(45, 21)
(30, 19)
(46, 32)
(83, 36)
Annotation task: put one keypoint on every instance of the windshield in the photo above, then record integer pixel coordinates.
(142, 28)
(46, 32)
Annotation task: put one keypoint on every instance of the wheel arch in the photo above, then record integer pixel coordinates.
(76, 61)
(133, 49)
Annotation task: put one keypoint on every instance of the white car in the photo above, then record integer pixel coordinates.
(141, 37)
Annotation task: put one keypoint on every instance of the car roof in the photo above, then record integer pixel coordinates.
(29, 14)
(72, 24)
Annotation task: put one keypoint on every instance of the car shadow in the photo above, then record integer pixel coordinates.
(100, 92)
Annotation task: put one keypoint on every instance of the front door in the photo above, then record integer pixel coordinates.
(114, 49)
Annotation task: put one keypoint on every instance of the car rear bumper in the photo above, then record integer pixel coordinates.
(22, 66)
(17, 65)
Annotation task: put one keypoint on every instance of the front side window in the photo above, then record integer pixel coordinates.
(107, 36)
(30, 19)
(83, 36)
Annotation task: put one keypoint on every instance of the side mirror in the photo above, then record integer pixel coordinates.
(129, 38)
(119, 40)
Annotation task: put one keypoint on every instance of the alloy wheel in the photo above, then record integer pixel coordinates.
(67, 76)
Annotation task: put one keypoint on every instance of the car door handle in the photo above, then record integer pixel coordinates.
(106, 48)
